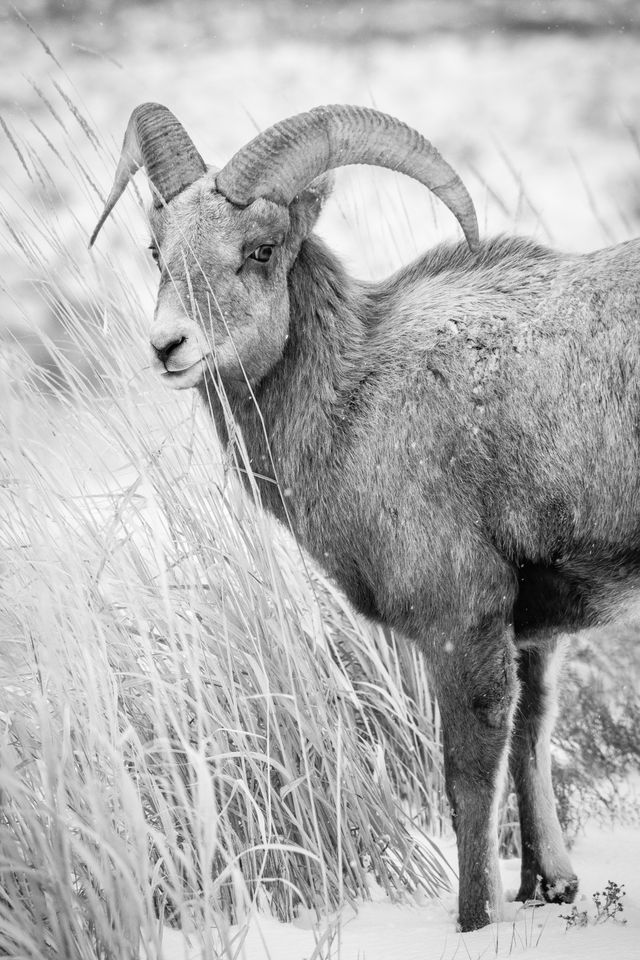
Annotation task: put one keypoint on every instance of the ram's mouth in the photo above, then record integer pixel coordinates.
(188, 377)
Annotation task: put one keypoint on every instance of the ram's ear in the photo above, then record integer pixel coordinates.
(305, 209)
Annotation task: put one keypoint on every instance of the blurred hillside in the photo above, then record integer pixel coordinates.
(537, 105)
(354, 20)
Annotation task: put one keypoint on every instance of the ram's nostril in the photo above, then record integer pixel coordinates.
(163, 353)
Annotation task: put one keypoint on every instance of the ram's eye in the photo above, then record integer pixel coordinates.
(155, 253)
(262, 253)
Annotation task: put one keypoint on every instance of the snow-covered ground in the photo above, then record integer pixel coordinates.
(381, 930)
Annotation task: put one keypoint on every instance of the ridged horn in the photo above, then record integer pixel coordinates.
(285, 158)
(156, 140)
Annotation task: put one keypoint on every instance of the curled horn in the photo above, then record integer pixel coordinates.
(157, 141)
(283, 160)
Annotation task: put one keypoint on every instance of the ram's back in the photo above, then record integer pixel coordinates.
(504, 394)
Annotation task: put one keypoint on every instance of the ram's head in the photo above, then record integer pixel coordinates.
(225, 239)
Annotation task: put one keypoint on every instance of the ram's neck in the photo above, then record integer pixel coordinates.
(293, 428)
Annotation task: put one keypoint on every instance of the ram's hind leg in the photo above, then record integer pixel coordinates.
(546, 868)
(476, 687)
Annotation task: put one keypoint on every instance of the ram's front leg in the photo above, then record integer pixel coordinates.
(546, 868)
(477, 688)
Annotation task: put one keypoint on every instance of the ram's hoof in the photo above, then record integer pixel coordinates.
(547, 890)
(561, 890)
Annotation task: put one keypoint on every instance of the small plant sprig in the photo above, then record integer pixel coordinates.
(577, 918)
(609, 902)
(608, 905)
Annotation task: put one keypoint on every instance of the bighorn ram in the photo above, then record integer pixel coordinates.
(458, 446)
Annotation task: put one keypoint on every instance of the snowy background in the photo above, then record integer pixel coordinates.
(535, 104)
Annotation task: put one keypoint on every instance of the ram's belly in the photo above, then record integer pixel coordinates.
(577, 593)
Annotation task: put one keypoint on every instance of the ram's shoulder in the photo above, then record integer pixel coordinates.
(502, 251)
(452, 289)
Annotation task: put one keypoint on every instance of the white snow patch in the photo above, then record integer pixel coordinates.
(386, 931)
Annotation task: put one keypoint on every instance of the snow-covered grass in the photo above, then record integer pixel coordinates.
(195, 729)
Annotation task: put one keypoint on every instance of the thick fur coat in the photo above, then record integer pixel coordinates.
(459, 447)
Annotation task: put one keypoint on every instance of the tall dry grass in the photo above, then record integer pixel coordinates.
(192, 721)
